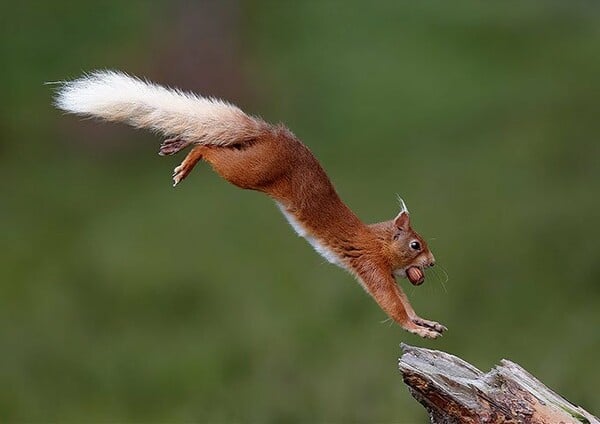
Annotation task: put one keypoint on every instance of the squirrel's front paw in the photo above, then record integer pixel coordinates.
(425, 328)
(429, 324)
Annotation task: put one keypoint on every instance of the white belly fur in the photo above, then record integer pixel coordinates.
(319, 247)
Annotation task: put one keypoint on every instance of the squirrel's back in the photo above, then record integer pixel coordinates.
(280, 165)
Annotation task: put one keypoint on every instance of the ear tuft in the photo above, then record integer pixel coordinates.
(402, 221)
(403, 207)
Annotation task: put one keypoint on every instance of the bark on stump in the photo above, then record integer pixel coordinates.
(454, 391)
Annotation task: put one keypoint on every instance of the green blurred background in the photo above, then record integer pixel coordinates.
(123, 299)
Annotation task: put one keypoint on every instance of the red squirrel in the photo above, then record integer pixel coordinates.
(252, 154)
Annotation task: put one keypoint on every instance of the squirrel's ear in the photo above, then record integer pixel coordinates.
(402, 221)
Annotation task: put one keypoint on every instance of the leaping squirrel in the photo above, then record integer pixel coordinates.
(255, 155)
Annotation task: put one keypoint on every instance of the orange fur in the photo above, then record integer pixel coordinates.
(278, 164)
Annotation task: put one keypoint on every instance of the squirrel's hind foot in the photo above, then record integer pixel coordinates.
(173, 145)
(183, 170)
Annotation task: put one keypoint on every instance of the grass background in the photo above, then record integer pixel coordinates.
(122, 299)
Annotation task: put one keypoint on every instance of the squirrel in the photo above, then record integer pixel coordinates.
(253, 154)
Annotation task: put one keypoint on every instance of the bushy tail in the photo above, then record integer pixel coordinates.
(115, 96)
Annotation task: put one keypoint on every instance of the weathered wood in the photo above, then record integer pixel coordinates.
(454, 391)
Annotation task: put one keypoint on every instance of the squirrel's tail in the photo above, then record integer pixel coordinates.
(116, 96)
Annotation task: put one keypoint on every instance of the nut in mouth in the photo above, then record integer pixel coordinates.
(415, 275)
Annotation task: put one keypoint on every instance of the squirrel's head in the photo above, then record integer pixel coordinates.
(408, 252)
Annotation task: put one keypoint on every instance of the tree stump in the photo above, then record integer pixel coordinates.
(454, 391)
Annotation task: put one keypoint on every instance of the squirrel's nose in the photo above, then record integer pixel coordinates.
(432, 263)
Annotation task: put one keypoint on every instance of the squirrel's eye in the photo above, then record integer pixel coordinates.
(415, 245)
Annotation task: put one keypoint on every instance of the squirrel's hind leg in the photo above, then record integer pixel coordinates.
(173, 145)
(192, 158)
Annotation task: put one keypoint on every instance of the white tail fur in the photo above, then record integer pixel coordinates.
(115, 96)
